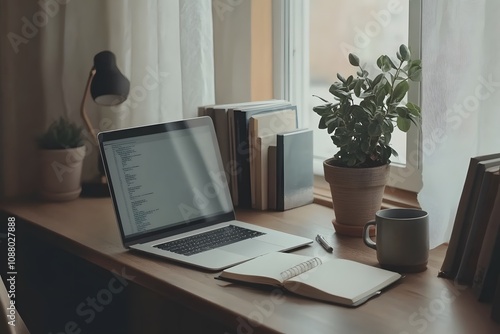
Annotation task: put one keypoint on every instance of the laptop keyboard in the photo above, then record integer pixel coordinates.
(209, 240)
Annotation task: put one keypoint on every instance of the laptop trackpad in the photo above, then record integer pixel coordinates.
(252, 248)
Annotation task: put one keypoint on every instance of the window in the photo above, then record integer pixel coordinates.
(314, 38)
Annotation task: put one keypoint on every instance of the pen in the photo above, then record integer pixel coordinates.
(321, 240)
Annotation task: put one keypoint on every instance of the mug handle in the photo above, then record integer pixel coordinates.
(366, 235)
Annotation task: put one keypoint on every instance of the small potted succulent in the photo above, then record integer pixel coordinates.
(361, 121)
(62, 150)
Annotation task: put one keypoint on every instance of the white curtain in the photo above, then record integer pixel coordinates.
(164, 47)
(461, 95)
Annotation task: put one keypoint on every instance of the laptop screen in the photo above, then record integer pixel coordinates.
(165, 176)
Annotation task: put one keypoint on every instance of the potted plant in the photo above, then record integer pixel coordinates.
(360, 122)
(61, 151)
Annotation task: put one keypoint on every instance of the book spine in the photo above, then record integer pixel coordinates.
(495, 308)
(242, 160)
(294, 169)
(300, 268)
(461, 226)
(466, 270)
(280, 178)
(271, 176)
(232, 157)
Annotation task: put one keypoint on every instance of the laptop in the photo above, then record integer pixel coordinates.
(171, 197)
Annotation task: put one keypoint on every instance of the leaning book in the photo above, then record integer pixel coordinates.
(336, 281)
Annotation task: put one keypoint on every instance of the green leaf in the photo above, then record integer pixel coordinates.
(377, 79)
(340, 94)
(403, 124)
(399, 56)
(404, 52)
(322, 99)
(365, 147)
(414, 109)
(341, 132)
(359, 112)
(387, 126)
(390, 63)
(399, 92)
(374, 129)
(322, 123)
(336, 140)
(413, 119)
(416, 62)
(332, 124)
(360, 157)
(386, 153)
(357, 87)
(323, 109)
(415, 73)
(385, 63)
(382, 64)
(344, 140)
(353, 59)
(369, 105)
(402, 112)
(380, 97)
(340, 77)
(351, 162)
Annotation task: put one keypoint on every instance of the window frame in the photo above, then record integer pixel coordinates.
(291, 82)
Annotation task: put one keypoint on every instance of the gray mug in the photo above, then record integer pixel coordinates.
(402, 240)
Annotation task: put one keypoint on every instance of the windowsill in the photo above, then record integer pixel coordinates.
(393, 197)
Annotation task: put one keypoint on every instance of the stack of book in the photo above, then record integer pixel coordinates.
(253, 138)
(474, 247)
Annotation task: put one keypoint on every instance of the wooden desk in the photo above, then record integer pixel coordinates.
(421, 303)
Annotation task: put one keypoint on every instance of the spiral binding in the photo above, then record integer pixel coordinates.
(300, 268)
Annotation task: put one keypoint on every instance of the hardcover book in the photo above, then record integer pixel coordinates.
(495, 308)
(262, 133)
(488, 267)
(294, 169)
(271, 177)
(336, 281)
(480, 219)
(465, 212)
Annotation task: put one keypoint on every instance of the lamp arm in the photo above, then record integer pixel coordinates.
(83, 112)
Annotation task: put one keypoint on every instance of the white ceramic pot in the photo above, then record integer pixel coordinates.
(60, 173)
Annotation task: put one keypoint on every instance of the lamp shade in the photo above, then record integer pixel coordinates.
(109, 86)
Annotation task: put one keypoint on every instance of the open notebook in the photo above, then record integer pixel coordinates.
(337, 281)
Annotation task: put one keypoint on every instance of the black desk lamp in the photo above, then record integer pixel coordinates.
(108, 87)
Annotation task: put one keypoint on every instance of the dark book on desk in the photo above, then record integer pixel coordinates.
(294, 169)
(479, 224)
(488, 267)
(241, 147)
(336, 281)
(465, 212)
(495, 308)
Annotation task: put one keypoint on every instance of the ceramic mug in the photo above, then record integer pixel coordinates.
(402, 239)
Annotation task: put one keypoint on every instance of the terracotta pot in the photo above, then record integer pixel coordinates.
(357, 195)
(60, 173)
